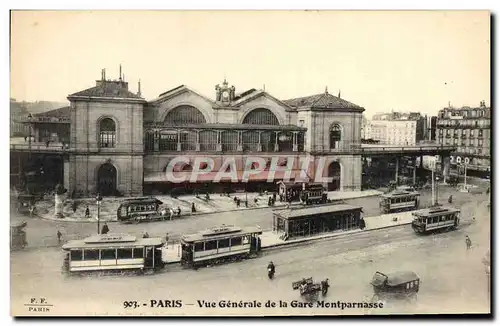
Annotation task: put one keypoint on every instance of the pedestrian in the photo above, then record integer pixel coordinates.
(47, 143)
(178, 211)
(468, 242)
(59, 236)
(25, 138)
(166, 240)
(238, 202)
(105, 229)
(145, 235)
(32, 210)
(73, 206)
(87, 212)
(193, 208)
(450, 199)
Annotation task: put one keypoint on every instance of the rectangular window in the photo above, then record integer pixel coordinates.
(211, 245)
(107, 139)
(198, 246)
(480, 133)
(124, 253)
(246, 239)
(76, 255)
(108, 254)
(91, 254)
(236, 242)
(138, 253)
(224, 243)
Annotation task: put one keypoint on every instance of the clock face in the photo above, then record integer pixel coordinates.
(225, 94)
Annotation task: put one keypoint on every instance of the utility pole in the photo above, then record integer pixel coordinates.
(433, 197)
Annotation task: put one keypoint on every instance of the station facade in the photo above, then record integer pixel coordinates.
(117, 142)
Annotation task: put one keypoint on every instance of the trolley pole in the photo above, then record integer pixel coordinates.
(98, 200)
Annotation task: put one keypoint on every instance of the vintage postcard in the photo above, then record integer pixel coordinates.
(250, 163)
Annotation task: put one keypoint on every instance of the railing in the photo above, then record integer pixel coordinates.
(44, 120)
(58, 147)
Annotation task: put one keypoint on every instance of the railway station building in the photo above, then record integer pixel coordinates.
(116, 142)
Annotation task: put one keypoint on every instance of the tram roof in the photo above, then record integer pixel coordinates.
(293, 213)
(112, 241)
(400, 193)
(141, 201)
(433, 211)
(221, 233)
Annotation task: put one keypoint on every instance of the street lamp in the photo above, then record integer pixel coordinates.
(98, 199)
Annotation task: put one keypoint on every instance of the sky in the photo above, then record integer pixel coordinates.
(382, 61)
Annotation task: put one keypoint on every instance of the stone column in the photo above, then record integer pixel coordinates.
(295, 141)
(179, 145)
(240, 141)
(259, 145)
(397, 169)
(219, 141)
(198, 141)
(276, 145)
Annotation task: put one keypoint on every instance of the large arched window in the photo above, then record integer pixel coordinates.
(107, 133)
(335, 136)
(184, 114)
(261, 116)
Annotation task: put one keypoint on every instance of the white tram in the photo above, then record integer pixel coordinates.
(226, 243)
(398, 201)
(435, 219)
(113, 253)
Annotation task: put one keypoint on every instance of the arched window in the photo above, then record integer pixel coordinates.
(107, 133)
(185, 114)
(261, 116)
(335, 136)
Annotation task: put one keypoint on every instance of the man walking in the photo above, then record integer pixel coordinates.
(59, 236)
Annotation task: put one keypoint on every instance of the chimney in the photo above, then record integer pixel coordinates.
(139, 88)
(120, 72)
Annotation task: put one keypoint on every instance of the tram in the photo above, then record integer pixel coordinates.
(18, 235)
(309, 193)
(398, 201)
(143, 209)
(434, 219)
(113, 253)
(220, 244)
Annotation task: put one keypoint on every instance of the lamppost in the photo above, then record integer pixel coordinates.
(30, 118)
(98, 199)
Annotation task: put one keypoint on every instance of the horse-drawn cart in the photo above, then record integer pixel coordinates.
(310, 290)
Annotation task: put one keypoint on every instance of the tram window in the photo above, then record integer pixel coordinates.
(235, 242)
(198, 246)
(124, 253)
(224, 243)
(91, 255)
(211, 245)
(246, 239)
(138, 253)
(108, 254)
(76, 255)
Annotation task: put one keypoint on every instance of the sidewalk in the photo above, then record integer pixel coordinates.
(216, 203)
(271, 239)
